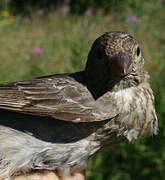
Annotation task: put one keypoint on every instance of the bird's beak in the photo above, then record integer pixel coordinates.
(123, 63)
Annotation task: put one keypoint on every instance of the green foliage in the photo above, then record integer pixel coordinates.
(76, 7)
(38, 46)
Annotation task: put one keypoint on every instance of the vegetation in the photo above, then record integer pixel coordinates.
(56, 41)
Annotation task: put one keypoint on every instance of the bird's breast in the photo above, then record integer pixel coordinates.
(137, 115)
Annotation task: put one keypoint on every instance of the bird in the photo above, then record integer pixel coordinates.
(57, 122)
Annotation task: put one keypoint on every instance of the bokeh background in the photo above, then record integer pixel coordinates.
(40, 37)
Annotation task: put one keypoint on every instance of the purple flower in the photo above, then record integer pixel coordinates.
(37, 51)
(133, 20)
(88, 13)
(65, 10)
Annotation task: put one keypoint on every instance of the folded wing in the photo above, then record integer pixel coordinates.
(59, 96)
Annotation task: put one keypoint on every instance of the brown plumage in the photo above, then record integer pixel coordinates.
(57, 122)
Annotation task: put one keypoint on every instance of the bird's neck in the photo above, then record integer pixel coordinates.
(131, 80)
(99, 84)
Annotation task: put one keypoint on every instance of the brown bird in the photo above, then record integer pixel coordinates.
(57, 122)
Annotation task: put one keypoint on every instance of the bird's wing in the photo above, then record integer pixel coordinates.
(61, 97)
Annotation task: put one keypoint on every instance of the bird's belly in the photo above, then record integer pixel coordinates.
(21, 153)
(28, 144)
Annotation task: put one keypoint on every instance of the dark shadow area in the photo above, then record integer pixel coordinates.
(74, 6)
(95, 91)
(47, 128)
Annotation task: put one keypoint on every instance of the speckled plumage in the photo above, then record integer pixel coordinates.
(57, 122)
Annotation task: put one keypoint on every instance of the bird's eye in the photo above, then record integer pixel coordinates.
(99, 54)
(138, 51)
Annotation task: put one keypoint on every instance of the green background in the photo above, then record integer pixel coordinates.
(49, 37)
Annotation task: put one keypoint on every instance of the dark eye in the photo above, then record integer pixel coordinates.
(138, 51)
(99, 54)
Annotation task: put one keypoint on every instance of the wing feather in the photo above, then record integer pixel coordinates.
(61, 97)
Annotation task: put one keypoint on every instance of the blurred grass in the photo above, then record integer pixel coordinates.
(39, 45)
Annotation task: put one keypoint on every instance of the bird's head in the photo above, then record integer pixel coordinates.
(114, 54)
(114, 61)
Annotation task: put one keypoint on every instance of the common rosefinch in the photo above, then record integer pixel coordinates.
(57, 122)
